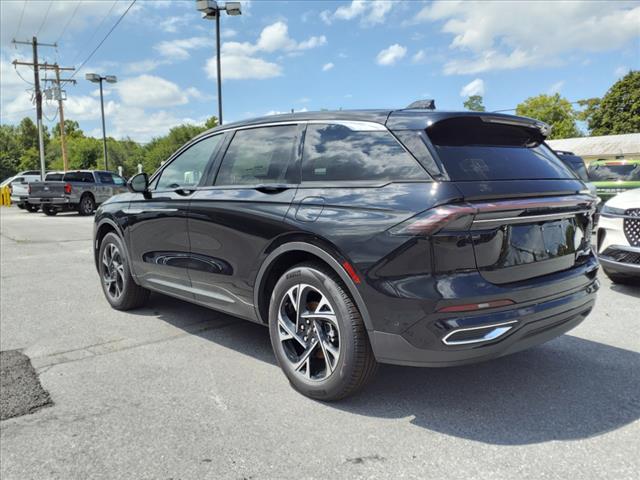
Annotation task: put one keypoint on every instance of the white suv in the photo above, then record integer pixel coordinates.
(619, 237)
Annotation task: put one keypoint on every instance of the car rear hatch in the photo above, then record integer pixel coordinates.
(525, 213)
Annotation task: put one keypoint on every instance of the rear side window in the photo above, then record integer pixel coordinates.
(105, 177)
(260, 155)
(471, 149)
(53, 177)
(614, 172)
(86, 177)
(334, 152)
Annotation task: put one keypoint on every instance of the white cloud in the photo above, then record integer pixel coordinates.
(621, 71)
(141, 125)
(180, 49)
(145, 66)
(369, 12)
(176, 23)
(509, 35)
(419, 57)
(239, 60)
(556, 87)
(474, 87)
(391, 55)
(241, 67)
(327, 66)
(150, 91)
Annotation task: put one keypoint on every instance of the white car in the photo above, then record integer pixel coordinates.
(618, 237)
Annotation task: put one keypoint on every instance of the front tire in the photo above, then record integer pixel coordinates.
(118, 285)
(317, 334)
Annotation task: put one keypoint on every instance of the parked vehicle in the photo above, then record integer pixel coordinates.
(410, 237)
(614, 176)
(79, 190)
(577, 165)
(618, 237)
(20, 189)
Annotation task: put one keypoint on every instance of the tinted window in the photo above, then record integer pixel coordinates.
(187, 169)
(118, 180)
(600, 173)
(86, 177)
(338, 153)
(105, 177)
(18, 180)
(472, 149)
(260, 155)
(53, 177)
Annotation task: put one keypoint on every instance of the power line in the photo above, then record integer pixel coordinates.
(105, 38)
(96, 30)
(75, 10)
(46, 15)
(21, 77)
(24, 7)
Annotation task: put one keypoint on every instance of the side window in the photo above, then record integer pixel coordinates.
(118, 180)
(187, 169)
(260, 155)
(72, 177)
(105, 177)
(334, 152)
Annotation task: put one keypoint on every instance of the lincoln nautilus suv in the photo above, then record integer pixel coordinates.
(411, 237)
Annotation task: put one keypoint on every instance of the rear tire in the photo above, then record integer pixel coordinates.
(118, 285)
(320, 342)
(49, 211)
(87, 205)
(621, 278)
(31, 208)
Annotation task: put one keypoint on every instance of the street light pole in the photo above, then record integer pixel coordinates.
(211, 11)
(95, 78)
(104, 130)
(219, 76)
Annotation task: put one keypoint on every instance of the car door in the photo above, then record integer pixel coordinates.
(157, 233)
(235, 216)
(119, 184)
(104, 189)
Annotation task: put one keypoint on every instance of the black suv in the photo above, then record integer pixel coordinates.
(411, 237)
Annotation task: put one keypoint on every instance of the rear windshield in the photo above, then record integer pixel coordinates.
(620, 172)
(53, 177)
(471, 149)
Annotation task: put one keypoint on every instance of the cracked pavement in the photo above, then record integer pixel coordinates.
(178, 391)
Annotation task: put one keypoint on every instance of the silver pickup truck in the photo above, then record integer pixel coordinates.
(79, 190)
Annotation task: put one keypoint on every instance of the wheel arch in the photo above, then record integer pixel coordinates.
(290, 254)
(106, 225)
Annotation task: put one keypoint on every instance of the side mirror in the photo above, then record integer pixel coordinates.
(139, 183)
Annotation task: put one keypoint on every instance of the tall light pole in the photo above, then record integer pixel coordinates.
(95, 78)
(211, 11)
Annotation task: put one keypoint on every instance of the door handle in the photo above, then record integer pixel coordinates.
(184, 191)
(272, 187)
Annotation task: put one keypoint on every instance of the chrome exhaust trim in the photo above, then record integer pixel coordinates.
(494, 331)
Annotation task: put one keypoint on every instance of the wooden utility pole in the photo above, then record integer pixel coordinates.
(58, 96)
(38, 92)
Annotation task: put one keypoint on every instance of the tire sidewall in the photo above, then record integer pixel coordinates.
(112, 238)
(327, 285)
(88, 200)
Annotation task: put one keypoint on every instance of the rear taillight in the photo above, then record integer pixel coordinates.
(67, 188)
(455, 217)
(470, 307)
(29, 189)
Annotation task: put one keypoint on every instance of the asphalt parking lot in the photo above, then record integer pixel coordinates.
(175, 391)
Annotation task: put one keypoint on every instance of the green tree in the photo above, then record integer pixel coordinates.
(554, 110)
(211, 122)
(27, 133)
(474, 103)
(619, 110)
(161, 148)
(71, 129)
(10, 151)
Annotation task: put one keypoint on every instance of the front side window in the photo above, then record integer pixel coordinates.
(334, 152)
(259, 156)
(118, 180)
(187, 169)
(105, 177)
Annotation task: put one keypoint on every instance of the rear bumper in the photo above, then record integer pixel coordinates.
(529, 324)
(19, 199)
(49, 201)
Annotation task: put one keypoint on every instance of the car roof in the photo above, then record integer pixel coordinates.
(405, 119)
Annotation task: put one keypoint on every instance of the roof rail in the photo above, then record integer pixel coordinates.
(427, 104)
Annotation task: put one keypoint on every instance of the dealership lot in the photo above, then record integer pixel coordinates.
(178, 391)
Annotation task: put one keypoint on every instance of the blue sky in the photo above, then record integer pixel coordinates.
(313, 55)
